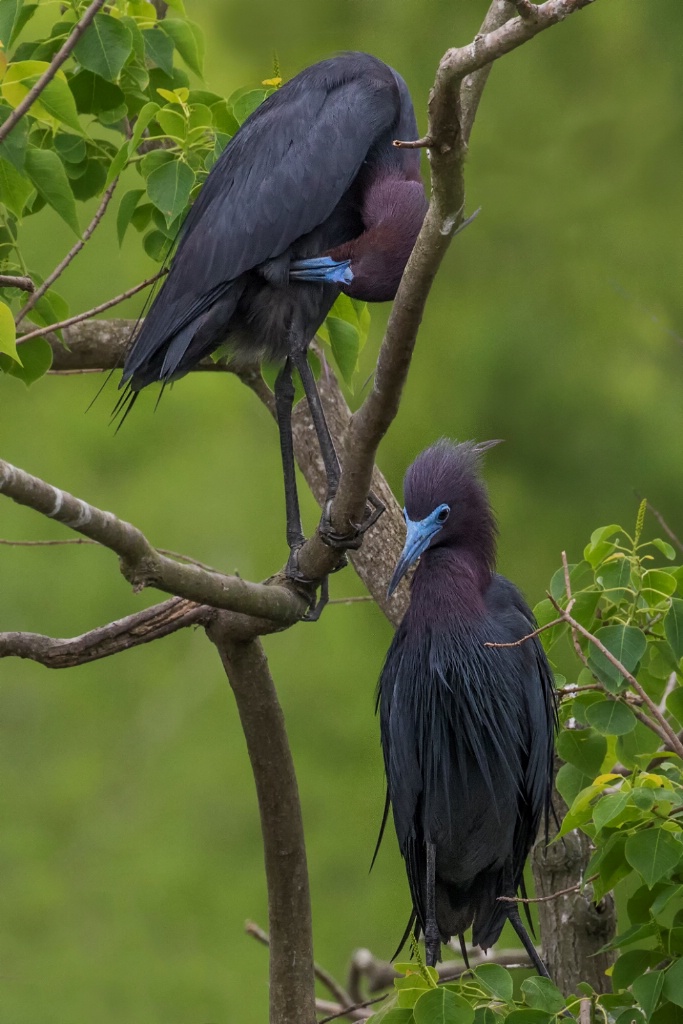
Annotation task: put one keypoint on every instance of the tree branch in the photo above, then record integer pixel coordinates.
(55, 64)
(40, 332)
(292, 982)
(446, 211)
(11, 281)
(141, 628)
(143, 566)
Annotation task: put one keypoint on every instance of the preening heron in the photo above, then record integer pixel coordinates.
(467, 730)
(308, 199)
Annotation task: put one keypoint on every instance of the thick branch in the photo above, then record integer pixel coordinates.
(141, 628)
(55, 64)
(448, 148)
(141, 564)
(102, 344)
(12, 281)
(292, 981)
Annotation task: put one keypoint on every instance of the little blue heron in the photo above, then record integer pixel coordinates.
(308, 199)
(467, 729)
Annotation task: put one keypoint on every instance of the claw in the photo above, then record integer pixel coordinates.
(294, 573)
(349, 541)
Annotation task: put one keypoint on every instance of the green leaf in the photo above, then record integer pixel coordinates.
(570, 781)
(631, 965)
(13, 149)
(188, 40)
(144, 118)
(641, 742)
(584, 748)
(673, 627)
(609, 807)
(95, 95)
(626, 643)
(647, 989)
(344, 340)
(156, 245)
(611, 864)
(172, 123)
(36, 360)
(541, 994)
(441, 1006)
(126, 210)
(91, 182)
(673, 983)
(169, 188)
(71, 148)
(9, 18)
(247, 104)
(615, 575)
(666, 549)
(653, 854)
(674, 704)
(611, 717)
(396, 1015)
(56, 100)
(529, 1016)
(104, 47)
(8, 333)
(14, 188)
(496, 980)
(657, 585)
(47, 173)
(159, 49)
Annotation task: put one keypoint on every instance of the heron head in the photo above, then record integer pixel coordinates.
(418, 538)
(446, 504)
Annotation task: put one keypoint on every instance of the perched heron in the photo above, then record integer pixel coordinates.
(308, 199)
(467, 729)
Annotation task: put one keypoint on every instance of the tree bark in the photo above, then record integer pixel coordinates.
(573, 927)
(292, 979)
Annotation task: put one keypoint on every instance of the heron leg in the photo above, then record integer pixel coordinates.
(523, 935)
(284, 401)
(332, 470)
(432, 936)
(329, 455)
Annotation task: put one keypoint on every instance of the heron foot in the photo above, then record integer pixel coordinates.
(294, 573)
(432, 949)
(349, 541)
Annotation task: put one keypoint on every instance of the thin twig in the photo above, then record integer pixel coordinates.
(330, 983)
(86, 540)
(354, 1006)
(528, 636)
(567, 586)
(552, 896)
(10, 281)
(664, 525)
(47, 76)
(89, 313)
(352, 600)
(673, 739)
(71, 255)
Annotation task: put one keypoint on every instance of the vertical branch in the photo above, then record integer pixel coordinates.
(574, 927)
(292, 980)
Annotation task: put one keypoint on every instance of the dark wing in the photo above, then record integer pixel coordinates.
(401, 761)
(537, 692)
(281, 175)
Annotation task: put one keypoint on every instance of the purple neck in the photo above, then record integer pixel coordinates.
(449, 583)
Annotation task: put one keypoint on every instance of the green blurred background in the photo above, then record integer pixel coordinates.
(130, 850)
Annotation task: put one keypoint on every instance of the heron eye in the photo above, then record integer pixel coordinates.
(443, 514)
